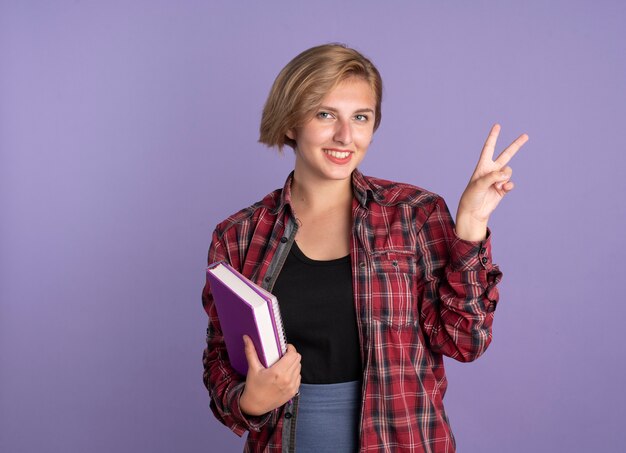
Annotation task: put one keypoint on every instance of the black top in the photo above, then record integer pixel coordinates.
(317, 306)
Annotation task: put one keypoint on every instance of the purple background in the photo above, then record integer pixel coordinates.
(128, 130)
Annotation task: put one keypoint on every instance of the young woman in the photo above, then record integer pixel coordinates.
(375, 281)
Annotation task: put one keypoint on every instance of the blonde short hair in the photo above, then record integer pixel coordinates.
(300, 87)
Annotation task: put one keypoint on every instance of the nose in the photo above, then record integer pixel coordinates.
(343, 132)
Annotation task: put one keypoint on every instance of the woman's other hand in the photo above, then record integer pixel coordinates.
(489, 183)
(268, 388)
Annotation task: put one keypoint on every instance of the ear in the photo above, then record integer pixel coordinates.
(291, 134)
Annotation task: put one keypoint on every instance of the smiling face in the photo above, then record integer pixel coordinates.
(333, 143)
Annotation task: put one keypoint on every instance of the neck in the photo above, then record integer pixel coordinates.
(320, 195)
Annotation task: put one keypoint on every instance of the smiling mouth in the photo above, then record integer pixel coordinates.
(337, 154)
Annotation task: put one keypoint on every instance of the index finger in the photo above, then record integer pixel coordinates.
(506, 155)
(290, 358)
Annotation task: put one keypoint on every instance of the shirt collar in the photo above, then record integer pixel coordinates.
(361, 188)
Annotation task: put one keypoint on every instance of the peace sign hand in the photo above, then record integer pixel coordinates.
(489, 183)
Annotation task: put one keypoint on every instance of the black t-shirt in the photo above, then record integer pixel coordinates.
(317, 306)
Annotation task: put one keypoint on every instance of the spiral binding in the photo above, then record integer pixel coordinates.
(282, 337)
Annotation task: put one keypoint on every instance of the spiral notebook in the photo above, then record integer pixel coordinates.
(245, 308)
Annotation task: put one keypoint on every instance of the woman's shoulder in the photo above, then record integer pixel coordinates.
(268, 205)
(386, 192)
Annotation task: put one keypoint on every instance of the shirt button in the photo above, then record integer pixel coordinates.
(484, 260)
(483, 250)
(284, 239)
(288, 415)
(362, 265)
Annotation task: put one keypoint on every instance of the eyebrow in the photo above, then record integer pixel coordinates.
(363, 110)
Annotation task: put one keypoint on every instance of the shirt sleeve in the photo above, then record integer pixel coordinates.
(459, 294)
(224, 384)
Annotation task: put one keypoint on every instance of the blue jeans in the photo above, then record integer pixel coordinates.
(328, 418)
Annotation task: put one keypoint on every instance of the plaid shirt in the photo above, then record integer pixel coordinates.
(419, 293)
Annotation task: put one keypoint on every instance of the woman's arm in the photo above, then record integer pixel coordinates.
(459, 291)
(460, 294)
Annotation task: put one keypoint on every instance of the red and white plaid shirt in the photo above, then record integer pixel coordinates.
(420, 293)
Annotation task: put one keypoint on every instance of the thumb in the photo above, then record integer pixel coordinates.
(251, 356)
(494, 177)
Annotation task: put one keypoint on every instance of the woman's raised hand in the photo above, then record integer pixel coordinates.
(489, 183)
(268, 388)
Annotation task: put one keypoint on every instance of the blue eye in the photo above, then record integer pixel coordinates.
(324, 115)
(361, 117)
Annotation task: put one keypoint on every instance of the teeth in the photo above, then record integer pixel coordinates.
(337, 154)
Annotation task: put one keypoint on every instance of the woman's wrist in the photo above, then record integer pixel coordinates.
(248, 407)
(470, 229)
